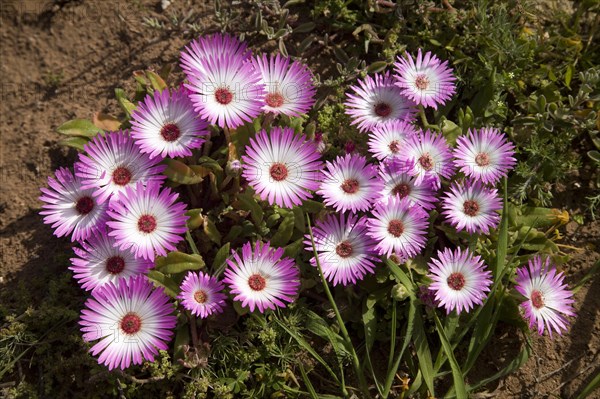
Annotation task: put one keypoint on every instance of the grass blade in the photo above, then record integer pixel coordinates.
(457, 375)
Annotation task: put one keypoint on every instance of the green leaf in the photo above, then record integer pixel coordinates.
(305, 28)
(178, 262)
(195, 219)
(410, 325)
(210, 164)
(377, 66)
(171, 287)
(249, 203)
(75, 142)
(309, 386)
(569, 75)
(311, 206)
(422, 348)
(309, 348)
(284, 231)
(451, 131)
(502, 236)
(457, 376)
(156, 81)
(221, 256)
(127, 106)
(299, 220)
(293, 250)
(79, 127)
(179, 172)
(211, 231)
(181, 338)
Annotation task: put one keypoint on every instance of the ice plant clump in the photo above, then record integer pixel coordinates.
(549, 300)
(427, 81)
(70, 208)
(201, 294)
(131, 321)
(262, 278)
(165, 124)
(147, 220)
(460, 280)
(282, 167)
(346, 253)
(375, 101)
(484, 155)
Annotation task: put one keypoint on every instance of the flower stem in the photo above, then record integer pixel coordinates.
(355, 361)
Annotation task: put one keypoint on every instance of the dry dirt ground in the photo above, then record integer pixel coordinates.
(64, 61)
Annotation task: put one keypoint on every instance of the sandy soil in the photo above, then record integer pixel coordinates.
(62, 62)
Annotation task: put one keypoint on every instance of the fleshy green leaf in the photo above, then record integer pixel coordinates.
(79, 127)
(178, 262)
(156, 81)
(181, 173)
(170, 286)
(284, 231)
(211, 231)
(75, 142)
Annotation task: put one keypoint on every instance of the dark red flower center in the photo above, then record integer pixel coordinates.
(422, 82)
(401, 190)
(115, 264)
(147, 224)
(223, 96)
(537, 299)
(274, 100)
(394, 146)
(471, 207)
(396, 228)
(426, 161)
(200, 296)
(456, 281)
(84, 205)
(344, 249)
(170, 132)
(278, 171)
(121, 176)
(257, 282)
(131, 323)
(482, 159)
(383, 109)
(350, 186)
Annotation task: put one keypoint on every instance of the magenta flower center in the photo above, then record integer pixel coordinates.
(170, 132)
(350, 186)
(115, 264)
(223, 96)
(200, 296)
(131, 323)
(426, 161)
(401, 190)
(482, 159)
(537, 299)
(456, 281)
(344, 249)
(396, 228)
(84, 205)
(382, 109)
(274, 100)
(278, 171)
(147, 224)
(394, 146)
(121, 176)
(257, 282)
(422, 82)
(471, 207)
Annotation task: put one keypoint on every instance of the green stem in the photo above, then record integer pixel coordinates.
(393, 336)
(190, 240)
(355, 362)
